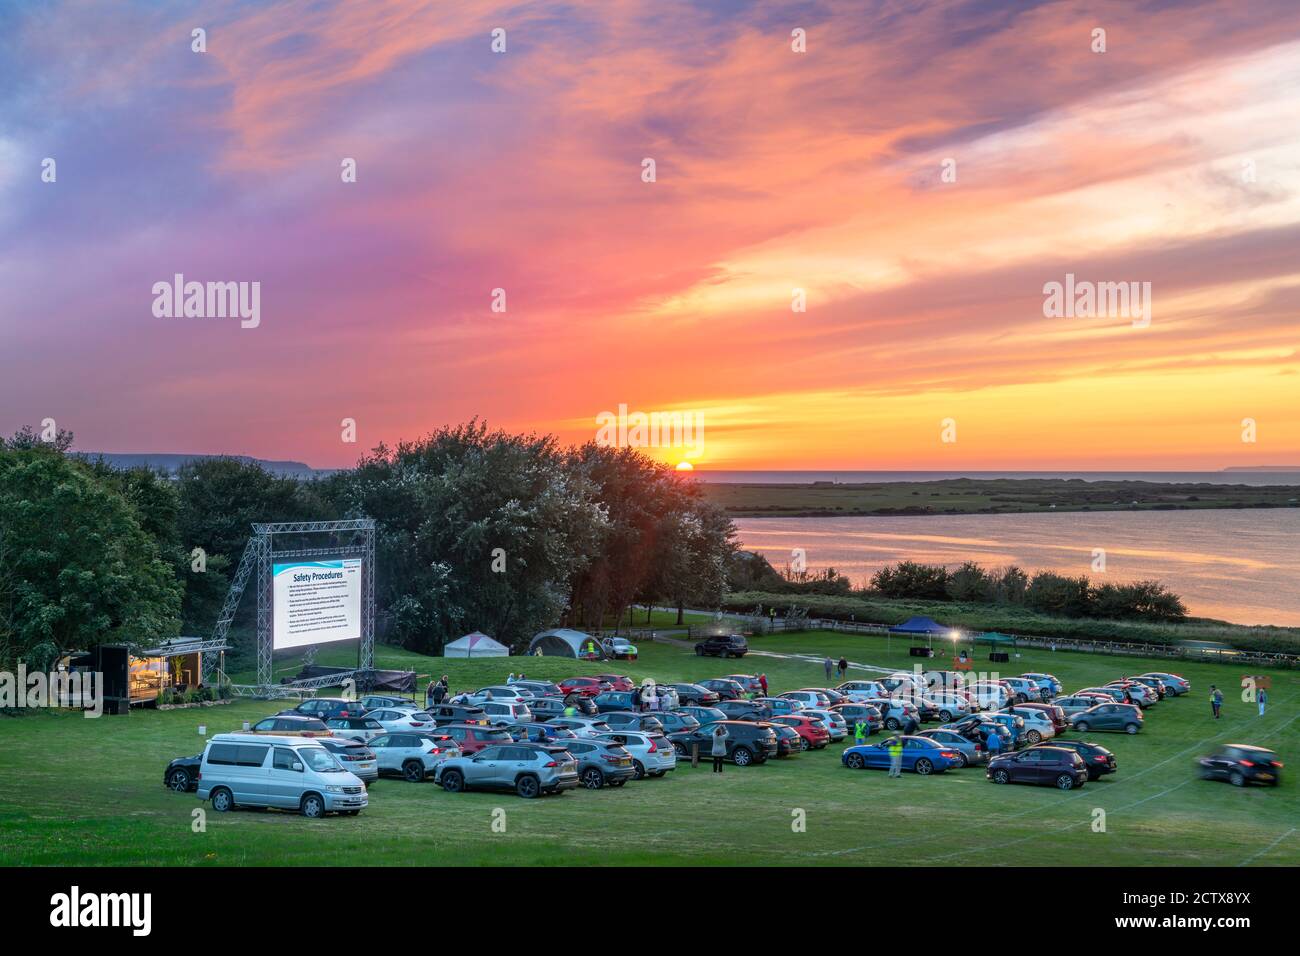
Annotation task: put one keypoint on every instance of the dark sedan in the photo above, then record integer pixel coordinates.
(743, 710)
(693, 695)
(1240, 764)
(725, 689)
(182, 774)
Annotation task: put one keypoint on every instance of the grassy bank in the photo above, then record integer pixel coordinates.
(988, 496)
(1016, 620)
(80, 792)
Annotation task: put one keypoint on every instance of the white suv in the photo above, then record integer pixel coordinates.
(413, 755)
(652, 754)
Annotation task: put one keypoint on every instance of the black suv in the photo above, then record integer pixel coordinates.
(1241, 764)
(1097, 758)
(182, 774)
(727, 645)
(746, 742)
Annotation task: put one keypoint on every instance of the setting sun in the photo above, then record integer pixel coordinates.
(685, 466)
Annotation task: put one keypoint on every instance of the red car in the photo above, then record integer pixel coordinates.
(474, 737)
(813, 735)
(616, 681)
(584, 686)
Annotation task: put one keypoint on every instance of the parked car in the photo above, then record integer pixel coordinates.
(833, 720)
(583, 726)
(501, 693)
(402, 720)
(1096, 758)
(725, 689)
(807, 698)
(1049, 681)
(583, 686)
(355, 728)
(601, 762)
(614, 700)
(852, 713)
(541, 688)
(376, 701)
(989, 696)
(528, 769)
(323, 708)
(788, 741)
(750, 682)
(1050, 766)
(1023, 689)
(471, 738)
(354, 756)
(978, 727)
(620, 648)
(1060, 723)
(1118, 694)
(779, 705)
(413, 755)
(894, 711)
(1014, 723)
(540, 733)
(1077, 703)
(652, 754)
(617, 681)
(968, 751)
(548, 708)
(1173, 682)
(650, 723)
(182, 774)
(1136, 692)
(814, 734)
(1241, 764)
(1155, 683)
(444, 714)
(291, 773)
(672, 721)
(1037, 725)
(703, 715)
(291, 725)
(744, 709)
(948, 705)
(834, 696)
(746, 743)
(728, 645)
(1125, 717)
(920, 755)
(693, 695)
(863, 690)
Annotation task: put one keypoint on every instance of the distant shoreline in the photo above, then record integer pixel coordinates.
(986, 496)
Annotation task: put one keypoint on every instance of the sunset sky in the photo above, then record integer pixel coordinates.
(1172, 158)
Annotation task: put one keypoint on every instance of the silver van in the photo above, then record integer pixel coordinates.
(292, 773)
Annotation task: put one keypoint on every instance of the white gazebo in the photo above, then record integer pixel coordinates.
(476, 644)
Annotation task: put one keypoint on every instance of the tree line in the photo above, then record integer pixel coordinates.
(476, 529)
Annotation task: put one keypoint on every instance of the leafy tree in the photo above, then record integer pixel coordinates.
(77, 568)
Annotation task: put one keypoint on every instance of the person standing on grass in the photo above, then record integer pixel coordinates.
(993, 740)
(859, 732)
(844, 668)
(829, 665)
(1216, 700)
(1261, 695)
(911, 726)
(762, 682)
(896, 757)
(719, 747)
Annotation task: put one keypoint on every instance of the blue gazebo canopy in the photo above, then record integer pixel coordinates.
(920, 625)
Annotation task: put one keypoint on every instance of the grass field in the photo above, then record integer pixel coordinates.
(77, 791)
(987, 496)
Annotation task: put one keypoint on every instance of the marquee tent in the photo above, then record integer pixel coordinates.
(923, 626)
(566, 642)
(476, 644)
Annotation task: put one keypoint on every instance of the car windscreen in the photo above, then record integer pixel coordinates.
(319, 759)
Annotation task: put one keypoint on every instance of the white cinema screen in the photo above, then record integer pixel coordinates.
(316, 602)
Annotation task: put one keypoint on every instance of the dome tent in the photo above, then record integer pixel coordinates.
(566, 642)
(476, 644)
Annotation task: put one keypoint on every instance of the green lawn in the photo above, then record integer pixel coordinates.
(77, 791)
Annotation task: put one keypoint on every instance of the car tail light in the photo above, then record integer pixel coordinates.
(550, 763)
(1277, 763)
(611, 758)
(434, 750)
(653, 748)
(951, 755)
(1248, 763)
(1099, 758)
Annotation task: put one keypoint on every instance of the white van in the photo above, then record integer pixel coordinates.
(263, 770)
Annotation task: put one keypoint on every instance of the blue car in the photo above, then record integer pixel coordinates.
(920, 755)
(614, 700)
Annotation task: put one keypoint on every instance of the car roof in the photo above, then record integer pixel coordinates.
(265, 739)
(1252, 747)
